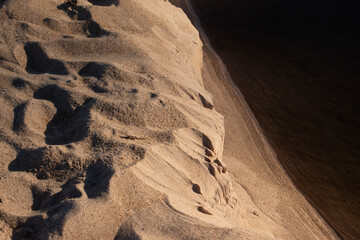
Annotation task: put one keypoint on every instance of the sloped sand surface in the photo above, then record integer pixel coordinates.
(296, 62)
(107, 132)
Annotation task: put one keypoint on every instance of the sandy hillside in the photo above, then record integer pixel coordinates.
(107, 132)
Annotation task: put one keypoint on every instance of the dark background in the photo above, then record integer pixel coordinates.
(298, 65)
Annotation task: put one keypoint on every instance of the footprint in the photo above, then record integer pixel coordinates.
(93, 28)
(39, 62)
(33, 116)
(96, 85)
(97, 180)
(19, 83)
(69, 191)
(99, 70)
(74, 11)
(19, 113)
(70, 123)
(30, 228)
(39, 197)
(47, 163)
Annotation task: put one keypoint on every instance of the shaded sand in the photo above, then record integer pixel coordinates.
(297, 64)
(107, 132)
(251, 161)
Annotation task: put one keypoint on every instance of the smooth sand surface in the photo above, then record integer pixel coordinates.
(107, 132)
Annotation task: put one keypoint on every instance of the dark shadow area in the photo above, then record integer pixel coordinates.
(39, 62)
(209, 148)
(91, 27)
(56, 207)
(32, 228)
(94, 69)
(97, 85)
(39, 228)
(297, 64)
(70, 123)
(206, 103)
(196, 188)
(27, 160)
(43, 200)
(39, 197)
(95, 30)
(2, 3)
(105, 2)
(94, 74)
(56, 218)
(19, 114)
(127, 232)
(75, 12)
(97, 180)
(204, 210)
(46, 163)
(19, 83)
(42, 163)
(212, 170)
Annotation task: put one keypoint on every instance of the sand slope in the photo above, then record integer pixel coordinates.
(296, 62)
(107, 131)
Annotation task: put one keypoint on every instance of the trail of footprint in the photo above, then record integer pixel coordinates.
(44, 199)
(92, 28)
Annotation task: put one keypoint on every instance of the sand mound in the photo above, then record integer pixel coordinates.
(106, 128)
(106, 124)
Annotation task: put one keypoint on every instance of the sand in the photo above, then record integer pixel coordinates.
(109, 131)
(300, 78)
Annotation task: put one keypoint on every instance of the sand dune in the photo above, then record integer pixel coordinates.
(107, 132)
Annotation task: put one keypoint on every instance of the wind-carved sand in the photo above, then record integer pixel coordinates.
(107, 131)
